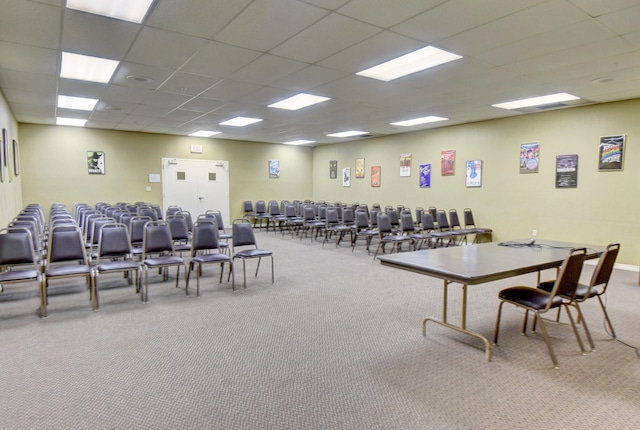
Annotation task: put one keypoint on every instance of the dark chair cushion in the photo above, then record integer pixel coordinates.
(533, 298)
(211, 258)
(69, 270)
(163, 261)
(18, 275)
(583, 291)
(108, 266)
(253, 253)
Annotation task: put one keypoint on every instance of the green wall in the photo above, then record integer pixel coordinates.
(55, 166)
(603, 208)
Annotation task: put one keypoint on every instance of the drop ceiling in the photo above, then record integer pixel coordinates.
(193, 64)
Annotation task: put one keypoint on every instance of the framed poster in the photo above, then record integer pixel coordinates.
(346, 177)
(333, 169)
(611, 153)
(16, 158)
(448, 162)
(474, 173)
(405, 164)
(274, 169)
(425, 176)
(95, 162)
(5, 148)
(359, 168)
(529, 157)
(375, 176)
(567, 171)
(2, 169)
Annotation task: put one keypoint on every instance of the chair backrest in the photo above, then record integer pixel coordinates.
(468, 218)
(114, 241)
(331, 215)
(419, 211)
(602, 272)
(157, 238)
(454, 221)
(406, 222)
(347, 216)
(16, 247)
(187, 218)
(148, 212)
(33, 229)
(178, 227)
(362, 220)
(274, 208)
(125, 219)
(219, 220)
(158, 211)
(247, 206)
(243, 233)
(427, 222)
(434, 212)
(309, 213)
(261, 207)
(443, 222)
(290, 211)
(97, 226)
(393, 217)
(569, 274)
(172, 210)
(384, 224)
(374, 216)
(205, 236)
(136, 228)
(66, 244)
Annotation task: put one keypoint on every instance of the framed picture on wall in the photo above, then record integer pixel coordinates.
(529, 157)
(611, 153)
(474, 173)
(567, 171)
(95, 162)
(425, 176)
(5, 148)
(359, 168)
(405, 164)
(2, 169)
(333, 169)
(375, 176)
(274, 169)
(346, 177)
(16, 158)
(448, 162)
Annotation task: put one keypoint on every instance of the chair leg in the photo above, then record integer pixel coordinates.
(272, 275)
(244, 273)
(548, 341)
(606, 317)
(258, 266)
(575, 330)
(497, 328)
(94, 292)
(43, 299)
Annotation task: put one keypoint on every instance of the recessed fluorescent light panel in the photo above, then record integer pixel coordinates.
(537, 101)
(71, 121)
(78, 103)
(127, 10)
(205, 133)
(417, 121)
(349, 133)
(86, 68)
(299, 101)
(240, 121)
(412, 62)
(299, 142)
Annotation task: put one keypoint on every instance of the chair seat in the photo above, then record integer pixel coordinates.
(178, 247)
(211, 258)
(583, 291)
(396, 238)
(18, 275)
(163, 261)
(109, 266)
(67, 270)
(253, 253)
(533, 298)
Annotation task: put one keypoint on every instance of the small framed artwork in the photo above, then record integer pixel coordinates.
(474, 173)
(95, 162)
(274, 169)
(16, 158)
(2, 169)
(375, 176)
(333, 169)
(529, 157)
(359, 168)
(405, 164)
(346, 177)
(611, 153)
(425, 176)
(5, 148)
(567, 171)
(448, 162)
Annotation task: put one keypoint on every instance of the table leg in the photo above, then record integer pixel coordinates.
(463, 327)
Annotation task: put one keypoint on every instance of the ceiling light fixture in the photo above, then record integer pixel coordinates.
(407, 64)
(349, 133)
(417, 121)
(299, 142)
(241, 121)
(204, 133)
(78, 103)
(126, 10)
(86, 68)
(299, 101)
(71, 121)
(537, 101)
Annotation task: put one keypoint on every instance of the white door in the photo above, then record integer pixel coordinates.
(196, 186)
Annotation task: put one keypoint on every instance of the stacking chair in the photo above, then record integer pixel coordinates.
(455, 236)
(243, 237)
(148, 211)
(480, 232)
(539, 301)
(222, 232)
(334, 226)
(136, 233)
(276, 218)
(179, 233)
(439, 237)
(114, 255)
(362, 229)
(386, 235)
(597, 286)
(261, 213)
(158, 253)
(293, 221)
(454, 223)
(188, 219)
(309, 222)
(18, 261)
(173, 210)
(66, 258)
(205, 250)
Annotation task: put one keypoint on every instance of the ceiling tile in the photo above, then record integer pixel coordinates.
(188, 84)
(30, 23)
(207, 61)
(201, 105)
(229, 90)
(27, 58)
(267, 69)
(386, 13)
(623, 21)
(163, 48)
(308, 78)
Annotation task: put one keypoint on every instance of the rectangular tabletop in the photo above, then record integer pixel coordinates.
(486, 262)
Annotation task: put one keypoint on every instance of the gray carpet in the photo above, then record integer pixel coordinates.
(335, 343)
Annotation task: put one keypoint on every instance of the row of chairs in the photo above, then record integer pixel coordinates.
(565, 291)
(67, 254)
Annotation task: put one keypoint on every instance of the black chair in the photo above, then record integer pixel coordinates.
(158, 253)
(539, 301)
(310, 223)
(243, 237)
(480, 232)
(387, 235)
(276, 218)
(114, 255)
(439, 237)
(293, 221)
(362, 229)
(18, 261)
(333, 225)
(205, 250)
(66, 258)
(597, 286)
(455, 236)
(136, 233)
(261, 213)
(222, 232)
(454, 223)
(179, 233)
